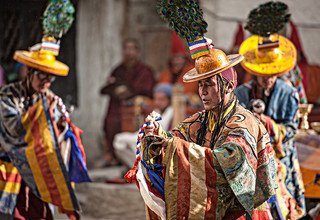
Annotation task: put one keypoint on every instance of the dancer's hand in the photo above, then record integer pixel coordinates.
(152, 128)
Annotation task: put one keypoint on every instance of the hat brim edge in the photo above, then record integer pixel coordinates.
(22, 58)
(193, 78)
(265, 74)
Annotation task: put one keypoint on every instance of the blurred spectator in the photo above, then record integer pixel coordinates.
(129, 79)
(125, 143)
(178, 65)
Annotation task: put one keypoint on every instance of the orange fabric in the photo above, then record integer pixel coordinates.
(130, 176)
(166, 77)
(312, 188)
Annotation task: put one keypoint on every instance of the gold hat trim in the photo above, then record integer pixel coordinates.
(278, 67)
(192, 75)
(36, 60)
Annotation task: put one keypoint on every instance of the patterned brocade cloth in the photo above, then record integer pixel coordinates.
(281, 108)
(232, 181)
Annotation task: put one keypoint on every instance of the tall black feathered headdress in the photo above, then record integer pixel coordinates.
(268, 18)
(185, 17)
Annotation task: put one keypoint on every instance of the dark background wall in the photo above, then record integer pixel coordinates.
(20, 28)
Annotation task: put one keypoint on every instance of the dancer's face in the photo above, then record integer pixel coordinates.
(266, 82)
(41, 81)
(209, 93)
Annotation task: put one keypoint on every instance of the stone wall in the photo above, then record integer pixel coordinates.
(152, 33)
(99, 39)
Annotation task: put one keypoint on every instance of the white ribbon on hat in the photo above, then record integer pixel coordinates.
(35, 47)
(209, 42)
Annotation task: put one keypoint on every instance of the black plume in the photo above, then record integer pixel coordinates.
(268, 18)
(185, 17)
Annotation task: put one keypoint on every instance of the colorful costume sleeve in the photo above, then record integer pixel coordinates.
(10, 123)
(285, 128)
(30, 140)
(282, 112)
(189, 167)
(248, 167)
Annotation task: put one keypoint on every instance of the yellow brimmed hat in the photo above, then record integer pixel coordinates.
(266, 53)
(56, 21)
(271, 56)
(43, 58)
(209, 65)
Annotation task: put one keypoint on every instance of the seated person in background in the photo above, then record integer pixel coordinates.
(129, 79)
(125, 143)
(178, 64)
